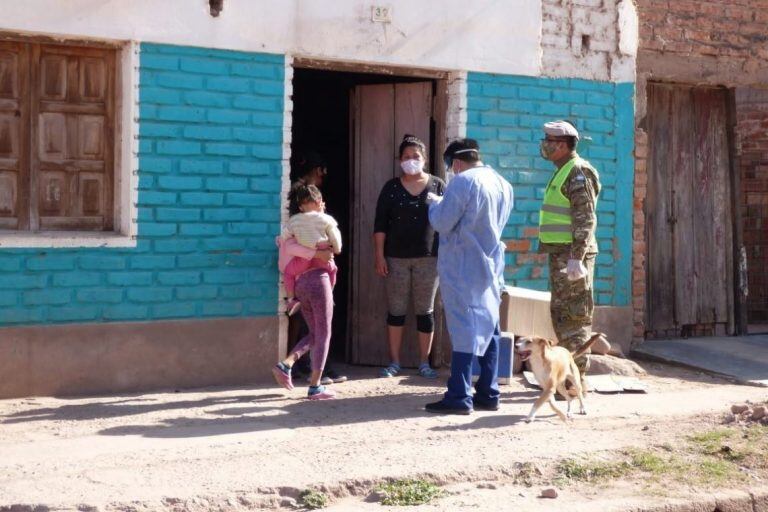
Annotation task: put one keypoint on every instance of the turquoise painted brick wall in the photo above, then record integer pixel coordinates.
(505, 114)
(210, 129)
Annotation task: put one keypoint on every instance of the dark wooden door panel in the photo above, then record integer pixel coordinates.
(688, 212)
(712, 197)
(658, 206)
(684, 243)
(14, 135)
(374, 126)
(74, 113)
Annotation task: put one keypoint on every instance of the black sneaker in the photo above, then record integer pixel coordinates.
(484, 406)
(334, 376)
(443, 408)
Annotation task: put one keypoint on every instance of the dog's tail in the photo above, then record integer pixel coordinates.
(591, 341)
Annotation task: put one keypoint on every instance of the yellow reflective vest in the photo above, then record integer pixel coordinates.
(555, 214)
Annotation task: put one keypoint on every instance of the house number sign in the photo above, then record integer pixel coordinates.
(381, 14)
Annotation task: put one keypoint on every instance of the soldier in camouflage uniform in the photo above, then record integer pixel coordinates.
(567, 223)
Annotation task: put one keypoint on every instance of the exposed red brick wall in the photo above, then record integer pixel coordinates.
(638, 236)
(712, 42)
(752, 151)
(735, 29)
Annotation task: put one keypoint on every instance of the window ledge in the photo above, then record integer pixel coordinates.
(64, 239)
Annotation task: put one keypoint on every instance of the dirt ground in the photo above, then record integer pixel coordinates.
(259, 447)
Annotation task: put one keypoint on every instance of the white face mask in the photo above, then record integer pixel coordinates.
(412, 167)
(449, 175)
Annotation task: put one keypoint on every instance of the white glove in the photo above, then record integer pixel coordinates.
(433, 198)
(575, 270)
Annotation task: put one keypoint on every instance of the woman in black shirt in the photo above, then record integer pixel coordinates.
(406, 252)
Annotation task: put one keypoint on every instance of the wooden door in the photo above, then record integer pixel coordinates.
(72, 120)
(381, 114)
(688, 209)
(14, 134)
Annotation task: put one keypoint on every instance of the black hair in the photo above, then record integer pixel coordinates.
(466, 150)
(413, 141)
(303, 163)
(300, 194)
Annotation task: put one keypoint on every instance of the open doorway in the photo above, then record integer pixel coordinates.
(327, 118)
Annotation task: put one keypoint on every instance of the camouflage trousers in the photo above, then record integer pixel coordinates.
(571, 305)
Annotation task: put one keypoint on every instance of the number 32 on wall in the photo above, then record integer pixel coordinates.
(381, 14)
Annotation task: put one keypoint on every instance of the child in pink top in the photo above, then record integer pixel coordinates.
(312, 229)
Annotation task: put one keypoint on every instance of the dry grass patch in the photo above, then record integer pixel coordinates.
(709, 458)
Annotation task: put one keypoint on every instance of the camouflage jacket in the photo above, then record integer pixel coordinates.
(582, 188)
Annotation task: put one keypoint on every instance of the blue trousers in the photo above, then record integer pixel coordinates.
(459, 393)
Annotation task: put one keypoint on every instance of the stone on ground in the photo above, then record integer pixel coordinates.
(602, 365)
(739, 408)
(550, 493)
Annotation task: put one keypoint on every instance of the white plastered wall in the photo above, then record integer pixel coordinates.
(500, 36)
(591, 39)
(282, 341)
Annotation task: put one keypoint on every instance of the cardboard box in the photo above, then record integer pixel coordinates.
(526, 313)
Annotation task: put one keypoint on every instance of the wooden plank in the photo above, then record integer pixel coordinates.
(73, 165)
(723, 199)
(34, 161)
(721, 299)
(69, 108)
(737, 324)
(413, 114)
(682, 159)
(81, 223)
(712, 180)
(705, 232)
(9, 223)
(6, 36)
(14, 135)
(658, 235)
(110, 140)
(441, 347)
(374, 129)
(360, 67)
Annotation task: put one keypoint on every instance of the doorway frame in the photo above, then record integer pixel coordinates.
(450, 112)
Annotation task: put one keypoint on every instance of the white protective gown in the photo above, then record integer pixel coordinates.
(470, 218)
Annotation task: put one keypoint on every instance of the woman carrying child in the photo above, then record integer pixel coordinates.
(310, 283)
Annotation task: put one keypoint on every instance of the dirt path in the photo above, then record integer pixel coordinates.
(242, 448)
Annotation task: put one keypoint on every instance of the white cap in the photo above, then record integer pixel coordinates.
(561, 129)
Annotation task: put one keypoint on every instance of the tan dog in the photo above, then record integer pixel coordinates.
(553, 366)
